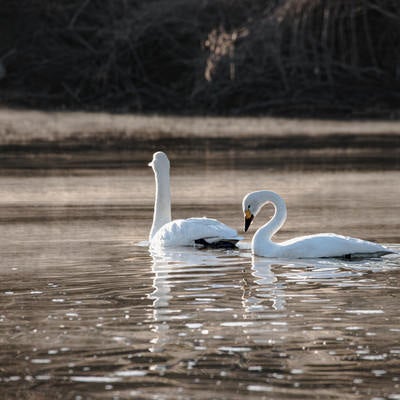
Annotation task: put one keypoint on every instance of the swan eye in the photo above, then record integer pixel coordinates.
(248, 206)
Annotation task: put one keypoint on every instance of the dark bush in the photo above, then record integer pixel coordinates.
(192, 56)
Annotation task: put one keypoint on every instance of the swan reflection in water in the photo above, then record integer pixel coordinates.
(271, 277)
(180, 275)
(265, 290)
(184, 268)
(265, 287)
(168, 263)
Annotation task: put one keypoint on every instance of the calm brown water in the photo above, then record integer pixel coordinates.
(87, 312)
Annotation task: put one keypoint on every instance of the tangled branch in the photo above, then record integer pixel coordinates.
(185, 56)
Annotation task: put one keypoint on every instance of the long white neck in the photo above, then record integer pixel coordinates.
(265, 233)
(162, 204)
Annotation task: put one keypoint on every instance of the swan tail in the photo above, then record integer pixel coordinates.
(360, 256)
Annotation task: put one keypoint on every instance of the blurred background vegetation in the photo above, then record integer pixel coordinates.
(229, 57)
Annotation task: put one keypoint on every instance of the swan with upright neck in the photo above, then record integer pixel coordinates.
(312, 246)
(164, 232)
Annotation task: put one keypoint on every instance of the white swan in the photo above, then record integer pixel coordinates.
(312, 246)
(182, 232)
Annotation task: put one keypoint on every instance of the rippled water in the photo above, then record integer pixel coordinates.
(88, 312)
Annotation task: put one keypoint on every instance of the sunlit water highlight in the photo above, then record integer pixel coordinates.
(87, 311)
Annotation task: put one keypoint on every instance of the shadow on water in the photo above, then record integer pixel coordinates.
(86, 312)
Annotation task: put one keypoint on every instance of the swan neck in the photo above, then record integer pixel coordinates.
(268, 230)
(162, 203)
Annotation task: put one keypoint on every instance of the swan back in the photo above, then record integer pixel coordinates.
(186, 232)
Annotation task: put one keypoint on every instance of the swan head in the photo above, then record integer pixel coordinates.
(252, 204)
(160, 160)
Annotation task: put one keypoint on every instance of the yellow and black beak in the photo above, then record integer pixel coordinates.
(248, 218)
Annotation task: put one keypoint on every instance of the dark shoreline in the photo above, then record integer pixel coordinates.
(335, 151)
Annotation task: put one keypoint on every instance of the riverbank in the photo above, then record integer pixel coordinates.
(62, 137)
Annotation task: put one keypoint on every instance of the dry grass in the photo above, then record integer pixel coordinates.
(27, 127)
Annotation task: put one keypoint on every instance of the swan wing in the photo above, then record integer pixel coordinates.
(329, 245)
(186, 232)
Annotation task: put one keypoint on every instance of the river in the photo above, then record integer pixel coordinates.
(88, 312)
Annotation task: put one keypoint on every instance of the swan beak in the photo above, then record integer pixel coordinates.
(248, 218)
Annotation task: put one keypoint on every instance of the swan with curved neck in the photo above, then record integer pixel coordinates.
(182, 232)
(312, 246)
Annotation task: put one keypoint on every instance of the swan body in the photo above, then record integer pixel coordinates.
(182, 232)
(203, 231)
(311, 246)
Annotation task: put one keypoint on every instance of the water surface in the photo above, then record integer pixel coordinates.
(88, 312)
